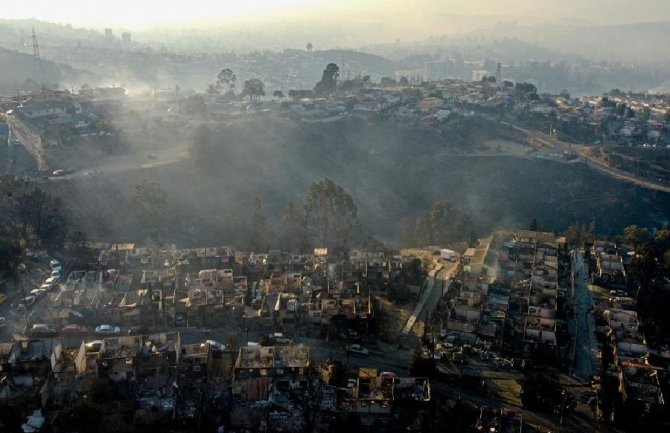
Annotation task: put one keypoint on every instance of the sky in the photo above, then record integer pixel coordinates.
(142, 14)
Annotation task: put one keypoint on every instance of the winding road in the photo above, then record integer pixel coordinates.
(590, 160)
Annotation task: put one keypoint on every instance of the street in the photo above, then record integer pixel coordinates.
(584, 363)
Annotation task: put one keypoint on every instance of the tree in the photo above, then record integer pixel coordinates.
(387, 82)
(258, 232)
(442, 224)
(525, 90)
(328, 83)
(403, 81)
(331, 214)
(10, 258)
(254, 89)
(293, 229)
(225, 82)
(278, 94)
(41, 213)
(635, 235)
(532, 225)
(577, 234)
(309, 46)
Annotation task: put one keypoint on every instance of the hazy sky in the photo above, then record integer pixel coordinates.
(148, 13)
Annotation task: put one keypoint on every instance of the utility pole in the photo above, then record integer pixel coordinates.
(36, 56)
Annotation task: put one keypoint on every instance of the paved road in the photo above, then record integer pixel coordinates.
(438, 278)
(592, 161)
(29, 138)
(428, 292)
(130, 162)
(584, 364)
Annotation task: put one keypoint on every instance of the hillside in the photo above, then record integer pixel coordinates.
(17, 73)
(391, 171)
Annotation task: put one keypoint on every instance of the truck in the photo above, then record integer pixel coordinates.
(450, 255)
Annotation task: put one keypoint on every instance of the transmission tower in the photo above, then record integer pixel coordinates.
(36, 56)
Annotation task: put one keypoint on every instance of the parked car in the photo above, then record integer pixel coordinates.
(279, 339)
(54, 264)
(357, 349)
(41, 330)
(38, 293)
(216, 345)
(48, 287)
(56, 273)
(137, 330)
(58, 173)
(52, 280)
(283, 341)
(107, 330)
(26, 302)
(73, 329)
(3, 322)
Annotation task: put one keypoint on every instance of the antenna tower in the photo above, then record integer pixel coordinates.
(36, 56)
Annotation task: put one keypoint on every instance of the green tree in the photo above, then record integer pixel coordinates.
(403, 81)
(578, 233)
(331, 214)
(41, 213)
(525, 90)
(254, 89)
(635, 235)
(292, 228)
(10, 259)
(328, 83)
(532, 225)
(226, 82)
(442, 224)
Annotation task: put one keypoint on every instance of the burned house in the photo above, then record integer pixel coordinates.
(155, 391)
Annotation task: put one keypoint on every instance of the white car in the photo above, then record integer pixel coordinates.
(38, 293)
(51, 280)
(56, 273)
(216, 345)
(41, 330)
(357, 349)
(48, 287)
(54, 264)
(107, 330)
